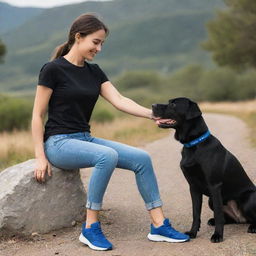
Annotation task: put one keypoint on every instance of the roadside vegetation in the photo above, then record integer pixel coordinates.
(17, 145)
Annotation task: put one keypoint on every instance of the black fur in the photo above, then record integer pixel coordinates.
(210, 170)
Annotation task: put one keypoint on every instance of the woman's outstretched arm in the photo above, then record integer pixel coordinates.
(112, 95)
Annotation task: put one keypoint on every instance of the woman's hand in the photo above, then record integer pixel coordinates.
(42, 166)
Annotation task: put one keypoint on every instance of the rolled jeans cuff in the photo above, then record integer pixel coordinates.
(93, 206)
(154, 204)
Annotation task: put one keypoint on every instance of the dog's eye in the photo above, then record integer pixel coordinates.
(172, 105)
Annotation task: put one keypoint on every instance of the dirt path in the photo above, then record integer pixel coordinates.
(125, 220)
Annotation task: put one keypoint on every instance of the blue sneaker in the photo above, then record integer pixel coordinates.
(94, 238)
(166, 233)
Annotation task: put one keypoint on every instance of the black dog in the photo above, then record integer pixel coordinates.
(210, 170)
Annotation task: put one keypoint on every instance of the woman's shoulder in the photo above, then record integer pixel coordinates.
(97, 71)
(91, 65)
(94, 67)
(50, 65)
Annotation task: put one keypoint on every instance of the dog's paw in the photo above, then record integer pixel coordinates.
(216, 238)
(252, 228)
(191, 234)
(211, 222)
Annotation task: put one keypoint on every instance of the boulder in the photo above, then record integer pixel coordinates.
(27, 206)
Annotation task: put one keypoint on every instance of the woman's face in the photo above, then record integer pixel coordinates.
(91, 44)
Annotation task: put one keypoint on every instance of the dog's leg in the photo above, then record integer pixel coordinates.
(218, 213)
(252, 228)
(227, 218)
(234, 212)
(197, 198)
(248, 207)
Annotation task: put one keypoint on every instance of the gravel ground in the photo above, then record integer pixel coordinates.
(126, 222)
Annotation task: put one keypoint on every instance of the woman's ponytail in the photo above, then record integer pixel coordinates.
(60, 50)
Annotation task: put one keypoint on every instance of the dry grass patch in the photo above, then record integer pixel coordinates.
(235, 107)
(18, 146)
(15, 147)
(246, 110)
(131, 130)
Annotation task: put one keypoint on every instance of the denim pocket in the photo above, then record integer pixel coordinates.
(59, 137)
(53, 140)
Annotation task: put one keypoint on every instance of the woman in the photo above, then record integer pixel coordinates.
(70, 87)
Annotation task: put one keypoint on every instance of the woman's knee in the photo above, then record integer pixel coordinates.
(143, 161)
(144, 157)
(108, 156)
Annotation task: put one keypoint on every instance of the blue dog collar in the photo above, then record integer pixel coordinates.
(197, 140)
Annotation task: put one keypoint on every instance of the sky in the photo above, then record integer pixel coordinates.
(41, 3)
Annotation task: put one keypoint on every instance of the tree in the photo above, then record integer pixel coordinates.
(2, 51)
(232, 35)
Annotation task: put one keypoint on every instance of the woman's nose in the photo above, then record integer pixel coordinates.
(98, 48)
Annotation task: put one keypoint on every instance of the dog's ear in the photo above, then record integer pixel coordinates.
(193, 111)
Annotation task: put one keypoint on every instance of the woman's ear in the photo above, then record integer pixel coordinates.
(77, 37)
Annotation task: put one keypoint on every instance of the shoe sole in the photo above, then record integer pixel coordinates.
(85, 241)
(158, 238)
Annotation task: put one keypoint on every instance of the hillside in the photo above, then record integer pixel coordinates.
(8, 12)
(147, 34)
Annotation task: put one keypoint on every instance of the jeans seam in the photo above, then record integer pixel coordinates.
(154, 204)
(93, 206)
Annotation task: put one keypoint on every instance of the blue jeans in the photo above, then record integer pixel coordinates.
(81, 150)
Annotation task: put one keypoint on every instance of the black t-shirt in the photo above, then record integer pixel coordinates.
(75, 92)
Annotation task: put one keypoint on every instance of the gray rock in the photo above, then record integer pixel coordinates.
(27, 206)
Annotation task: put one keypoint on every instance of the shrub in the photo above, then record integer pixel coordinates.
(15, 113)
(138, 79)
(246, 88)
(218, 85)
(102, 116)
(185, 82)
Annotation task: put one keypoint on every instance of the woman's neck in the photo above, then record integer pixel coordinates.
(74, 58)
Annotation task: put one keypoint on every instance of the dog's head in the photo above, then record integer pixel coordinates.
(178, 109)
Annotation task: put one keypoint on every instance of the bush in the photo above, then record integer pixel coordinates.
(246, 86)
(102, 116)
(138, 79)
(184, 82)
(219, 85)
(14, 113)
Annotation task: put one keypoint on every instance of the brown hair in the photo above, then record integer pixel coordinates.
(85, 24)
